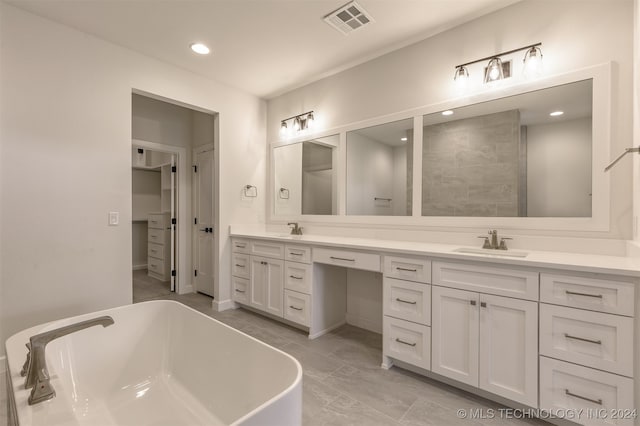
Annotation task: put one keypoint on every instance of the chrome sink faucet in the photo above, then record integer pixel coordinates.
(35, 368)
(493, 243)
(295, 229)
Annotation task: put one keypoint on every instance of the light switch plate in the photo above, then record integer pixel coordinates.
(114, 218)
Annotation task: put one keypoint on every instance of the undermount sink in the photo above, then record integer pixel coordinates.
(492, 252)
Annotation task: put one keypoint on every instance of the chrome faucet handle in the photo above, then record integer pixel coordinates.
(42, 390)
(486, 244)
(503, 243)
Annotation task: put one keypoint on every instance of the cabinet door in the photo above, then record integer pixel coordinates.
(266, 284)
(454, 329)
(509, 348)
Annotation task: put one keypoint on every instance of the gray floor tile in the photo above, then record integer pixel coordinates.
(348, 411)
(314, 364)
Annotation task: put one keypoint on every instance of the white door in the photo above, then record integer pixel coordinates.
(204, 273)
(173, 200)
(509, 348)
(454, 330)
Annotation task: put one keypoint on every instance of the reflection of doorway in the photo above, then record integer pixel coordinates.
(154, 195)
(203, 226)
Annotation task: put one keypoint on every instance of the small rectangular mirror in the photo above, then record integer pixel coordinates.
(380, 169)
(527, 155)
(305, 177)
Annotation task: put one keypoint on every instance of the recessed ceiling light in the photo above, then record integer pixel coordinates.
(556, 113)
(403, 139)
(447, 112)
(199, 48)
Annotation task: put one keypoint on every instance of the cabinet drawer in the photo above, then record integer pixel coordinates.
(611, 296)
(516, 283)
(156, 266)
(408, 269)
(351, 259)
(240, 290)
(297, 277)
(565, 386)
(155, 250)
(297, 307)
(297, 253)
(158, 220)
(158, 236)
(594, 339)
(267, 249)
(240, 245)
(240, 265)
(407, 300)
(406, 341)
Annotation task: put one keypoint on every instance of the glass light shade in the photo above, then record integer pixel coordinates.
(532, 62)
(461, 77)
(283, 128)
(297, 124)
(494, 71)
(310, 120)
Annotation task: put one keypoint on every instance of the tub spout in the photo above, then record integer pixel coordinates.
(36, 372)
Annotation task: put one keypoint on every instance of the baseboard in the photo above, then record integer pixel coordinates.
(371, 325)
(326, 330)
(223, 305)
(185, 289)
(139, 267)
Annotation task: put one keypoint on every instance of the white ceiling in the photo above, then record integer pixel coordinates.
(265, 47)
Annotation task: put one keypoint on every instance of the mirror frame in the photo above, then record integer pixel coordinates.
(600, 151)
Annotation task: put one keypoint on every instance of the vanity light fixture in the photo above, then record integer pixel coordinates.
(301, 122)
(497, 69)
(447, 112)
(200, 48)
(556, 113)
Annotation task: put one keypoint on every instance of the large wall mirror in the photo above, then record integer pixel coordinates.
(527, 155)
(379, 169)
(305, 177)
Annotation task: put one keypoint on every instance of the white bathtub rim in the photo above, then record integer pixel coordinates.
(9, 343)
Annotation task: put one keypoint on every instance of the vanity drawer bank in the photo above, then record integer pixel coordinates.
(552, 331)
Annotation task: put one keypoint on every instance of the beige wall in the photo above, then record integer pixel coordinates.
(65, 128)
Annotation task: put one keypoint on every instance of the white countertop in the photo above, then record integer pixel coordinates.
(615, 265)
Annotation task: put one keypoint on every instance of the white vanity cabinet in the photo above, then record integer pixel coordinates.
(406, 305)
(158, 246)
(266, 285)
(485, 340)
(587, 345)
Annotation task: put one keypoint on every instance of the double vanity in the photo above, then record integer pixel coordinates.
(552, 331)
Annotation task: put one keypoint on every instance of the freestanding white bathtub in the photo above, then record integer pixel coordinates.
(161, 363)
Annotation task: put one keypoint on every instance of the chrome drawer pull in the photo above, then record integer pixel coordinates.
(568, 336)
(240, 291)
(294, 254)
(342, 258)
(294, 277)
(293, 307)
(239, 266)
(472, 302)
(595, 401)
(598, 296)
(241, 245)
(404, 343)
(406, 301)
(406, 269)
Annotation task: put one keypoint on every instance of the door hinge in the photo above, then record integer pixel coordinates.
(174, 221)
(195, 272)
(195, 169)
(174, 169)
(195, 220)
(173, 273)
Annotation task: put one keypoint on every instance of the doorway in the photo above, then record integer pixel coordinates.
(204, 230)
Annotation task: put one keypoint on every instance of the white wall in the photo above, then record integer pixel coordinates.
(145, 197)
(559, 169)
(575, 34)
(66, 116)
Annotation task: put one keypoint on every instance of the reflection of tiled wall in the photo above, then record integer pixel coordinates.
(409, 172)
(470, 166)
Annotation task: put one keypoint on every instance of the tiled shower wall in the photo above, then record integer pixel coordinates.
(471, 166)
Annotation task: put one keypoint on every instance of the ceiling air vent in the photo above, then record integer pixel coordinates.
(348, 18)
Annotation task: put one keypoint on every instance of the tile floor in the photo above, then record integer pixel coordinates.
(343, 383)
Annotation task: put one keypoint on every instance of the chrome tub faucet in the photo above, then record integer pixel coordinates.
(35, 368)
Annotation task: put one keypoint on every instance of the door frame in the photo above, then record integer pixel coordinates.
(183, 278)
(194, 228)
